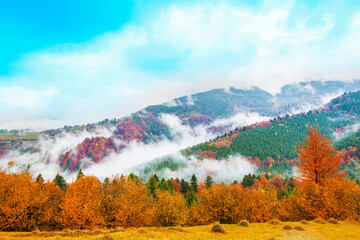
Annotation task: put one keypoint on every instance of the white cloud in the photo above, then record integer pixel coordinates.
(23, 97)
(186, 48)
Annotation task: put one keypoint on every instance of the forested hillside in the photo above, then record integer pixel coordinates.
(274, 142)
(147, 125)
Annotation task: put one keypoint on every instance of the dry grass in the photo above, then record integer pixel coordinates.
(344, 230)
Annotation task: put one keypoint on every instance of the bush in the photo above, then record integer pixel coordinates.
(244, 223)
(217, 228)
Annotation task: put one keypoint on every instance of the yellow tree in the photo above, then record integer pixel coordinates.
(317, 160)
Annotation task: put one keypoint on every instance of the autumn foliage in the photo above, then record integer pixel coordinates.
(322, 191)
(317, 160)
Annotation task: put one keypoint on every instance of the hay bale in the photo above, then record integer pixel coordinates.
(332, 220)
(274, 221)
(304, 222)
(287, 227)
(244, 223)
(319, 220)
(299, 228)
(217, 228)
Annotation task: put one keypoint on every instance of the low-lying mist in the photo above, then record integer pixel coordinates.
(48, 150)
(178, 166)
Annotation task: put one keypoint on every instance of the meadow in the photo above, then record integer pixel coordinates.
(311, 230)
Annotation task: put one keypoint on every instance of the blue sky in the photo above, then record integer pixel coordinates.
(73, 62)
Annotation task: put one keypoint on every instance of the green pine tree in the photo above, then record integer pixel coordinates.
(194, 183)
(152, 185)
(79, 175)
(208, 181)
(60, 181)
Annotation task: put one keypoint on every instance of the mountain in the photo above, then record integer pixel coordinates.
(201, 109)
(271, 145)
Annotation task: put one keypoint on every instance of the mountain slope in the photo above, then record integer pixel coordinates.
(148, 126)
(276, 140)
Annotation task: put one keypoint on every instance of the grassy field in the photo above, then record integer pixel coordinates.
(16, 136)
(267, 231)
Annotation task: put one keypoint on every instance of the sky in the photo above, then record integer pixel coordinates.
(73, 62)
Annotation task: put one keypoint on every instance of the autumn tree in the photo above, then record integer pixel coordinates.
(127, 203)
(170, 209)
(26, 205)
(81, 207)
(317, 159)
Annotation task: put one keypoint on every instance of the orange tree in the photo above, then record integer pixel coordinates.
(81, 207)
(127, 203)
(317, 160)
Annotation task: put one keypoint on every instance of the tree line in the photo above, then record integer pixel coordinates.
(28, 203)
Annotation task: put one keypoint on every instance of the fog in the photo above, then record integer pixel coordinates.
(228, 170)
(48, 150)
(44, 159)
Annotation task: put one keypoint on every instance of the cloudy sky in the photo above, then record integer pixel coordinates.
(73, 62)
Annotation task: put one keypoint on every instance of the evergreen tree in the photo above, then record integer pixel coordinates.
(60, 181)
(79, 175)
(185, 186)
(156, 178)
(208, 181)
(194, 183)
(107, 181)
(133, 177)
(190, 198)
(152, 185)
(39, 179)
(248, 180)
